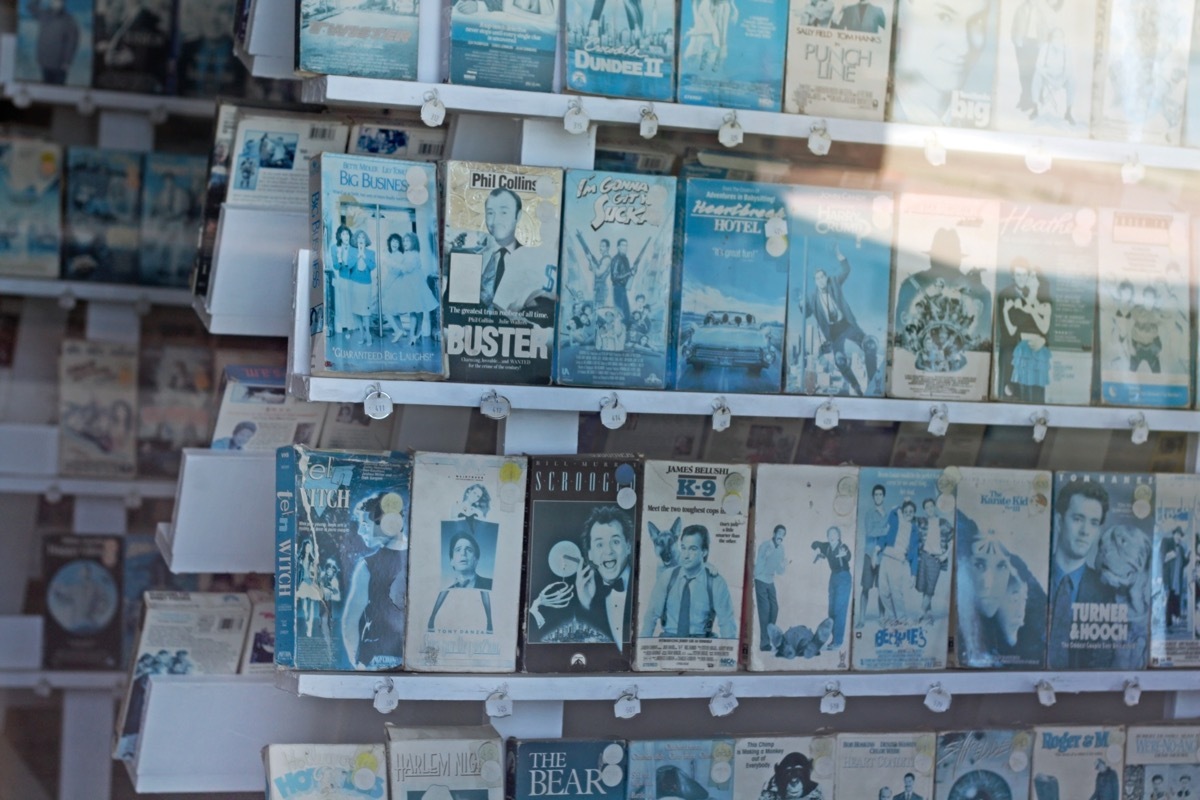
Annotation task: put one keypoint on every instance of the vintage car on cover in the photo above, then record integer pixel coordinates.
(730, 339)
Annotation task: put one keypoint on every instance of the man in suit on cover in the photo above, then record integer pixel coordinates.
(57, 39)
(620, 273)
(515, 278)
(1108, 785)
(692, 600)
(863, 16)
(836, 322)
(1079, 512)
(908, 793)
(1174, 557)
(464, 560)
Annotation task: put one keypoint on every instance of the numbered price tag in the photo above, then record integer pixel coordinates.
(833, 702)
(627, 706)
(1038, 160)
(386, 697)
(612, 413)
(575, 121)
(937, 699)
(722, 416)
(648, 127)
(494, 406)
(935, 153)
(819, 141)
(939, 423)
(827, 417)
(1045, 693)
(1132, 171)
(378, 404)
(1133, 693)
(498, 704)
(731, 133)
(722, 703)
(433, 113)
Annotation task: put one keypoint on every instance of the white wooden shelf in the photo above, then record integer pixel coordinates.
(22, 638)
(268, 66)
(29, 465)
(87, 100)
(409, 687)
(270, 47)
(205, 733)
(224, 514)
(560, 398)
(46, 680)
(253, 264)
(68, 292)
(132, 490)
(348, 91)
(28, 449)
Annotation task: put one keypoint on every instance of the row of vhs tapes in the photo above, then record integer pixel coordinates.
(156, 47)
(1104, 762)
(603, 563)
(608, 279)
(1067, 68)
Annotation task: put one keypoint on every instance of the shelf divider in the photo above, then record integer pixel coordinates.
(224, 514)
(249, 288)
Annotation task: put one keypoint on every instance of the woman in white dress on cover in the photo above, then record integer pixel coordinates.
(395, 286)
(361, 279)
(343, 319)
(412, 295)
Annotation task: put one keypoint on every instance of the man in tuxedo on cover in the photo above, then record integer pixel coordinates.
(602, 595)
(603, 583)
(1079, 513)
